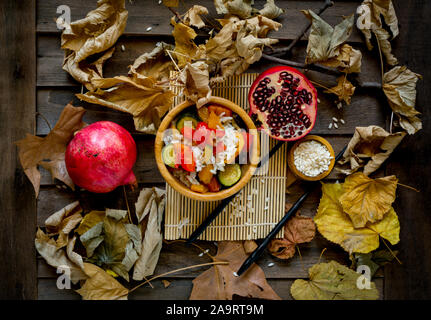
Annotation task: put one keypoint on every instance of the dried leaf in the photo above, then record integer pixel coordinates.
(324, 41)
(332, 281)
(219, 282)
(96, 33)
(166, 283)
(49, 151)
(89, 221)
(369, 21)
(249, 246)
(298, 229)
(192, 16)
(348, 61)
(137, 95)
(369, 148)
(374, 260)
(171, 3)
(100, 285)
(57, 257)
(155, 64)
(335, 225)
(154, 205)
(399, 85)
(344, 89)
(270, 10)
(240, 8)
(195, 78)
(367, 200)
(64, 220)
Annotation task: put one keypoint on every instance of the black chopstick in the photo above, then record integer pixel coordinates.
(199, 230)
(261, 248)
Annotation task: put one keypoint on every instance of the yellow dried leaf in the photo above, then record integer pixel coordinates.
(240, 8)
(270, 10)
(370, 14)
(332, 281)
(49, 151)
(100, 285)
(367, 200)
(336, 226)
(349, 60)
(399, 86)
(89, 221)
(137, 95)
(195, 78)
(171, 3)
(344, 89)
(94, 34)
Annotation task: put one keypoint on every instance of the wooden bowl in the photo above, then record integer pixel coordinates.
(299, 174)
(247, 169)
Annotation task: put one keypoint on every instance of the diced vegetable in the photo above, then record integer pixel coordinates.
(187, 116)
(230, 175)
(202, 134)
(205, 175)
(219, 110)
(214, 121)
(199, 188)
(203, 113)
(187, 133)
(184, 156)
(214, 185)
(168, 156)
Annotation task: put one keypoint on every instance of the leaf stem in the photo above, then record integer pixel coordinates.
(321, 254)
(178, 270)
(408, 187)
(127, 204)
(392, 253)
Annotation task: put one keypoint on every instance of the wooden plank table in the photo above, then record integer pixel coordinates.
(33, 43)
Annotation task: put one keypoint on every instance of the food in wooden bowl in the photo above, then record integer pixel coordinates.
(311, 158)
(208, 153)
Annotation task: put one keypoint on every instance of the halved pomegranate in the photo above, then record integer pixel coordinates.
(283, 103)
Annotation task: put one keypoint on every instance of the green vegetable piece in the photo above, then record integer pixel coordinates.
(230, 175)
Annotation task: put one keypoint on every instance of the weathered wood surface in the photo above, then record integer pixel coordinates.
(17, 204)
(55, 88)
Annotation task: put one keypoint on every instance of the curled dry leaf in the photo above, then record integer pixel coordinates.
(49, 151)
(171, 3)
(240, 8)
(249, 246)
(399, 86)
(298, 229)
(155, 64)
(90, 38)
(270, 10)
(344, 89)
(219, 282)
(369, 148)
(57, 257)
(195, 78)
(89, 221)
(138, 95)
(336, 226)
(193, 16)
(370, 21)
(332, 281)
(367, 200)
(151, 202)
(348, 61)
(374, 260)
(100, 285)
(325, 41)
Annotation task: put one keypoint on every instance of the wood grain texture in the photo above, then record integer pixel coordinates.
(147, 13)
(17, 204)
(410, 162)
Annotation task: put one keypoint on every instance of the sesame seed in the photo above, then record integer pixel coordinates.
(335, 126)
(330, 126)
(334, 119)
(342, 121)
(271, 264)
(123, 48)
(148, 29)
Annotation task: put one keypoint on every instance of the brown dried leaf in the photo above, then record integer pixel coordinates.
(138, 95)
(344, 89)
(367, 200)
(219, 282)
(399, 86)
(370, 21)
(166, 283)
(249, 246)
(270, 10)
(100, 285)
(192, 16)
(324, 41)
(155, 64)
(171, 3)
(195, 78)
(57, 257)
(151, 201)
(369, 148)
(240, 8)
(349, 60)
(94, 34)
(49, 151)
(298, 229)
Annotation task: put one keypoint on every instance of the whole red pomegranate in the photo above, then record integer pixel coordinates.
(283, 103)
(100, 157)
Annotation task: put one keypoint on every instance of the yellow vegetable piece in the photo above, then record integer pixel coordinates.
(213, 121)
(205, 175)
(199, 188)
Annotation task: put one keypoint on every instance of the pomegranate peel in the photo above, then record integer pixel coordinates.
(101, 156)
(283, 103)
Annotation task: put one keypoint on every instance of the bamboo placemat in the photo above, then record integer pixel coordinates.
(259, 205)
